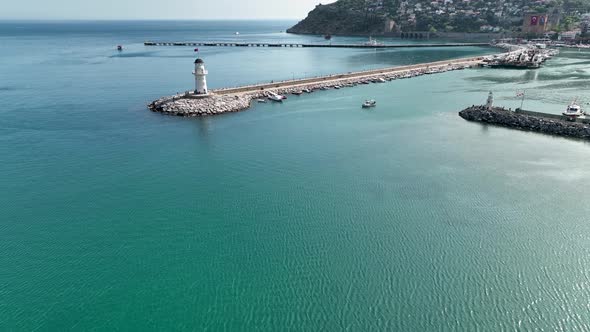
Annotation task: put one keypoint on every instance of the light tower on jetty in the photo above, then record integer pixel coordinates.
(200, 77)
(490, 101)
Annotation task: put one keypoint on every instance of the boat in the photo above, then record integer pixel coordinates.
(275, 97)
(381, 80)
(237, 33)
(337, 87)
(573, 110)
(260, 100)
(369, 104)
(328, 37)
(297, 93)
(306, 90)
(372, 42)
(119, 48)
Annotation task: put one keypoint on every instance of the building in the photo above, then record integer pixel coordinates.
(536, 24)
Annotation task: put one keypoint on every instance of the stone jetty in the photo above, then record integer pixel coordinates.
(237, 99)
(551, 124)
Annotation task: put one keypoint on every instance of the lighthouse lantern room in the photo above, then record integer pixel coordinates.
(200, 77)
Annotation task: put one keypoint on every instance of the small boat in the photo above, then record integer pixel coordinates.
(380, 80)
(573, 110)
(275, 97)
(237, 33)
(369, 104)
(119, 48)
(372, 42)
(306, 90)
(297, 93)
(337, 87)
(328, 37)
(260, 100)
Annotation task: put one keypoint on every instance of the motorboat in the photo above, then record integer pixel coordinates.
(306, 90)
(337, 87)
(260, 100)
(297, 93)
(372, 42)
(275, 97)
(574, 110)
(369, 104)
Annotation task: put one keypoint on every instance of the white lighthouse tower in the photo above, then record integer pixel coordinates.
(200, 77)
(490, 101)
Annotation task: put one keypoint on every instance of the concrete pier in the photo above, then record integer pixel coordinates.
(239, 98)
(301, 45)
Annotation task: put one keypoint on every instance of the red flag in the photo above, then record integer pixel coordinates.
(196, 49)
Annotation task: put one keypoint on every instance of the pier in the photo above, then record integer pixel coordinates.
(240, 98)
(308, 45)
(551, 124)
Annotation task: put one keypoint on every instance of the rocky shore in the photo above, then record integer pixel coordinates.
(238, 99)
(530, 121)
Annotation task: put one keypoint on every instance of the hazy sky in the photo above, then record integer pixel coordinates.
(156, 9)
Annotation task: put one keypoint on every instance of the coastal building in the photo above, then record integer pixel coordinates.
(536, 24)
(200, 77)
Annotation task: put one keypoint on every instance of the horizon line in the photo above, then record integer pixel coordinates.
(148, 19)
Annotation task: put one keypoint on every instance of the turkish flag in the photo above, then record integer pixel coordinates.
(534, 20)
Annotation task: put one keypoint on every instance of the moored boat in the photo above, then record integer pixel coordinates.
(573, 110)
(275, 97)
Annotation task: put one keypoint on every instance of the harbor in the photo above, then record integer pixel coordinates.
(202, 101)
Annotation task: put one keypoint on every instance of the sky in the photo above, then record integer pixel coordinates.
(156, 9)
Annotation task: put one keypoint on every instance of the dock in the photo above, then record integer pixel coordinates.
(236, 99)
(308, 45)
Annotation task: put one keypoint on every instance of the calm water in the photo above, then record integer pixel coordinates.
(312, 215)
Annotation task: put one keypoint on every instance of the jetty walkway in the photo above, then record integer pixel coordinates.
(240, 98)
(316, 45)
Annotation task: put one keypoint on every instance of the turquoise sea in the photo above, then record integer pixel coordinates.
(310, 215)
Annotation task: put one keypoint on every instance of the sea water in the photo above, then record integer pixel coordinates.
(309, 215)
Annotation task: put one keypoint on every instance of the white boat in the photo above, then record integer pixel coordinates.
(306, 90)
(275, 97)
(372, 42)
(369, 104)
(574, 110)
(260, 100)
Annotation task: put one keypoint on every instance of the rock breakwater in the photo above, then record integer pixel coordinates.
(238, 99)
(530, 121)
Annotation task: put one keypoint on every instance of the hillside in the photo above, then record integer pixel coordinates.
(386, 16)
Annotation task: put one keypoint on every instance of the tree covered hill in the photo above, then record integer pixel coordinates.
(381, 16)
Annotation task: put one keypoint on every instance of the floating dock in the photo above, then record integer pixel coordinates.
(309, 45)
(552, 124)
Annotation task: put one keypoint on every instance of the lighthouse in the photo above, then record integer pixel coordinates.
(490, 101)
(200, 77)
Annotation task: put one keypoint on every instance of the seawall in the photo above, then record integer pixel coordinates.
(240, 98)
(551, 124)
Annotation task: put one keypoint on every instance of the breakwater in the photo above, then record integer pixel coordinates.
(551, 124)
(314, 45)
(240, 98)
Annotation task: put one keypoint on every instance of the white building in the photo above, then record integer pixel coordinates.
(200, 77)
